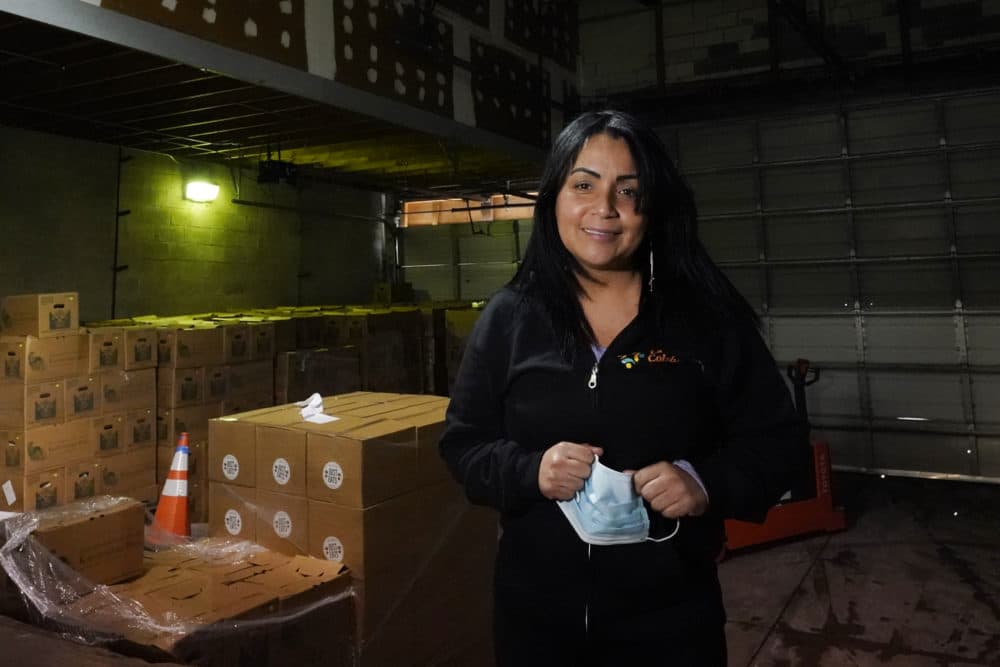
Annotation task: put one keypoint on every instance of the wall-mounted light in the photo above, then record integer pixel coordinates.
(201, 191)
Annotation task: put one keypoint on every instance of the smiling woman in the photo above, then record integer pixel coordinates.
(596, 207)
(620, 339)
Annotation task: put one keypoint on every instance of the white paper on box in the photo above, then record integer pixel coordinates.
(320, 418)
(8, 493)
(312, 410)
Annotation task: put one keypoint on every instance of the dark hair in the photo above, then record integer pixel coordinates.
(686, 281)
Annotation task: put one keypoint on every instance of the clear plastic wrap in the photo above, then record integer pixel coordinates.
(228, 575)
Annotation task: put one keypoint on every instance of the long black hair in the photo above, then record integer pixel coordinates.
(686, 281)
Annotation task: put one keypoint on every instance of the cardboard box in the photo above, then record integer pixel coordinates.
(40, 315)
(124, 391)
(197, 501)
(346, 329)
(193, 420)
(22, 406)
(31, 360)
(84, 480)
(422, 565)
(209, 595)
(233, 442)
(11, 491)
(176, 387)
(83, 397)
(131, 474)
(252, 379)
(429, 426)
(284, 333)
(105, 349)
(363, 466)
(246, 403)
(281, 459)
(217, 383)
(140, 348)
(108, 434)
(310, 330)
(392, 357)
(282, 522)
(231, 511)
(140, 428)
(44, 489)
(232, 451)
(326, 371)
(261, 341)
(365, 540)
(386, 409)
(190, 348)
(237, 343)
(102, 539)
(43, 447)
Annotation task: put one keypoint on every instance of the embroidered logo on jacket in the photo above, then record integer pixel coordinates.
(653, 357)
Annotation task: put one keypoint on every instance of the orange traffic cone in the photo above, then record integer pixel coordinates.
(171, 524)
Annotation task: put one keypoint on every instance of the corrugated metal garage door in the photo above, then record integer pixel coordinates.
(869, 238)
(462, 262)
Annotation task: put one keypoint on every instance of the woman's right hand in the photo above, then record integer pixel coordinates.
(565, 466)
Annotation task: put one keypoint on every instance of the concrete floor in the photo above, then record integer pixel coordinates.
(914, 581)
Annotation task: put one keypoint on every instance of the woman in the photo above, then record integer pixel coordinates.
(618, 347)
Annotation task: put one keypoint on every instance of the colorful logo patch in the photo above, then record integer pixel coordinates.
(652, 357)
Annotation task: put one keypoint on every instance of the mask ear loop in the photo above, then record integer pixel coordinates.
(664, 539)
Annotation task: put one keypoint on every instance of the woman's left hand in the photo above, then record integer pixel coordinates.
(670, 490)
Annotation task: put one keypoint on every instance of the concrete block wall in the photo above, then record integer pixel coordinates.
(342, 245)
(185, 257)
(57, 206)
(57, 230)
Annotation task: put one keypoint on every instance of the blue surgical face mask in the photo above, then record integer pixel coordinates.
(607, 510)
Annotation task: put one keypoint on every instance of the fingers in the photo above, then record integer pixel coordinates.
(564, 468)
(670, 490)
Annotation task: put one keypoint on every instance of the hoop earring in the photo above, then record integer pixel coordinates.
(651, 274)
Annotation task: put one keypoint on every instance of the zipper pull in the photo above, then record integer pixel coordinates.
(592, 384)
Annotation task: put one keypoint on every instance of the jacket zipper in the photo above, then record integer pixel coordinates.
(592, 385)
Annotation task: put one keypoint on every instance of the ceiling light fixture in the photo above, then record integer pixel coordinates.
(201, 191)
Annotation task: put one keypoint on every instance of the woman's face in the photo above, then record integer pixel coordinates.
(596, 206)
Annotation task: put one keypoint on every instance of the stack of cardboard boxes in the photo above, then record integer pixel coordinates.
(75, 408)
(367, 490)
(206, 371)
(387, 343)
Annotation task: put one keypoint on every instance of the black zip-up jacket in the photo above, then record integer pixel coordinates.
(717, 401)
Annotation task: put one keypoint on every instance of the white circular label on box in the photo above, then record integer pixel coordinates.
(333, 475)
(230, 467)
(234, 522)
(281, 470)
(282, 524)
(333, 549)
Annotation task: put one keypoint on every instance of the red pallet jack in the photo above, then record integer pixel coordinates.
(797, 517)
